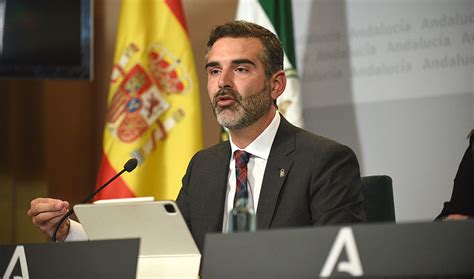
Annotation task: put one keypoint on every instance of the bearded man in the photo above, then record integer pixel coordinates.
(286, 175)
(293, 178)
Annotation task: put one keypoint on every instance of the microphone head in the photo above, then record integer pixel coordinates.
(131, 164)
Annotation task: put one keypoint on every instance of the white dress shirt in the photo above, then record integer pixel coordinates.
(260, 150)
(76, 232)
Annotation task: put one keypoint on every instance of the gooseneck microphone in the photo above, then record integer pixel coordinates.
(129, 166)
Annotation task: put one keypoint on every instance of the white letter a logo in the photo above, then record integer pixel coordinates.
(344, 239)
(18, 255)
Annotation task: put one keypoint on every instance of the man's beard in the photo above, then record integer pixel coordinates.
(244, 111)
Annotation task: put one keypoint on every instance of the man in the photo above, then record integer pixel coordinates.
(461, 205)
(294, 178)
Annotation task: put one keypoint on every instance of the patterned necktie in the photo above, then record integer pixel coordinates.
(241, 190)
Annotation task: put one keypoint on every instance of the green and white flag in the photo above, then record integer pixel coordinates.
(276, 16)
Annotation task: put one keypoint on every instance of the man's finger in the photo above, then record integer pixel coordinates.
(47, 216)
(51, 224)
(38, 207)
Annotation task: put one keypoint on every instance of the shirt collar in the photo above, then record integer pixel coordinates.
(261, 146)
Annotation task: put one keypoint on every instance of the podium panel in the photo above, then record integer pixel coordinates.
(83, 259)
(422, 250)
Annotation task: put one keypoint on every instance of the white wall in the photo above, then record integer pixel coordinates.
(394, 80)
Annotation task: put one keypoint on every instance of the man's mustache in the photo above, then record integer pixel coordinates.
(226, 93)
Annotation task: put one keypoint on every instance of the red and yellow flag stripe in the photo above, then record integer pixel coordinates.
(153, 103)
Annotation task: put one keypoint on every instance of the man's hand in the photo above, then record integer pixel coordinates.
(454, 217)
(45, 213)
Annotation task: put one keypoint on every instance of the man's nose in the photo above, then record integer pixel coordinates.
(226, 79)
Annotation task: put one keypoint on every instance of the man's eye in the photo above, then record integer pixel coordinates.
(213, 71)
(241, 70)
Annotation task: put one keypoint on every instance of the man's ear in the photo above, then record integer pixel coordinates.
(277, 84)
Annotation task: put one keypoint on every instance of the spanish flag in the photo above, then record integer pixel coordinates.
(153, 111)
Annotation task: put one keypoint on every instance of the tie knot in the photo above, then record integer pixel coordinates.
(241, 158)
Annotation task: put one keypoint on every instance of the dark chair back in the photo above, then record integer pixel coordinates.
(378, 198)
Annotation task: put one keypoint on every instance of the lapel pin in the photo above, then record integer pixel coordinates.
(282, 172)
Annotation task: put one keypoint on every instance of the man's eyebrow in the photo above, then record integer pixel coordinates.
(235, 62)
(243, 61)
(212, 64)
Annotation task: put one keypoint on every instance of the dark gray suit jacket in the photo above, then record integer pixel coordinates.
(321, 185)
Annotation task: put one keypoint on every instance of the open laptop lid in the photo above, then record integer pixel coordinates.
(159, 225)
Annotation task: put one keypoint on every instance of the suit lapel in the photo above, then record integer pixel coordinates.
(218, 188)
(277, 169)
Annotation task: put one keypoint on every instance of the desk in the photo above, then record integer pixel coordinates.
(368, 250)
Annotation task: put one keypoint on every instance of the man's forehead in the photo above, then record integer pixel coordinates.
(237, 39)
(228, 48)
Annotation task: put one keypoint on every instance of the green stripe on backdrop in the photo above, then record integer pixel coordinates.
(280, 14)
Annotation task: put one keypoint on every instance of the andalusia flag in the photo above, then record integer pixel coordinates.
(153, 109)
(275, 15)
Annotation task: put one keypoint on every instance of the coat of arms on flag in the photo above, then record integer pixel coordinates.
(141, 97)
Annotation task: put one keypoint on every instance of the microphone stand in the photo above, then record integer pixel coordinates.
(129, 166)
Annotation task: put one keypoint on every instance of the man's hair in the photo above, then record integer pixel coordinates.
(272, 57)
